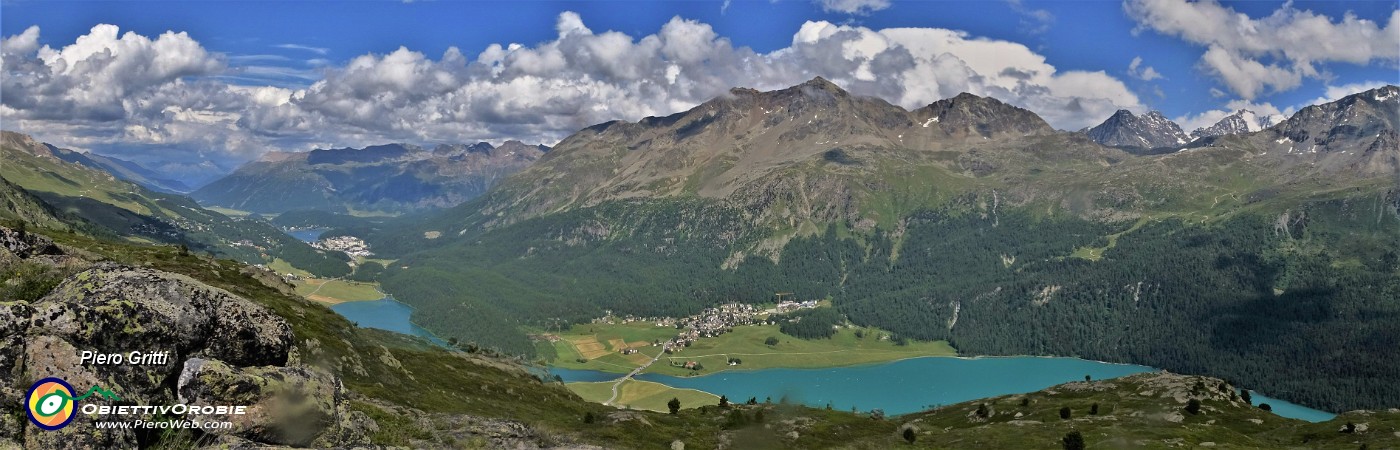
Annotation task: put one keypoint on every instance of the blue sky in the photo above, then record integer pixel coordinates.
(257, 63)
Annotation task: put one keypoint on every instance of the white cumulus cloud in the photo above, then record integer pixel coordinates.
(1144, 73)
(1334, 93)
(112, 90)
(1253, 56)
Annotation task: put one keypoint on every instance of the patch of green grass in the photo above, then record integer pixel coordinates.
(327, 290)
(647, 395)
(228, 211)
(338, 291)
(282, 267)
(745, 343)
(1096, 253)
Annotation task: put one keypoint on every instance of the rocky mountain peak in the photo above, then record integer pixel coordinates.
(1240, 122)
(1356, 134)
(972, 115)
(1148, 131)
(24, 142)
(822, 84)
(460, 149)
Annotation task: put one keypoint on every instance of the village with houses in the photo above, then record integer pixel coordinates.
(351, 245)
(710, 323)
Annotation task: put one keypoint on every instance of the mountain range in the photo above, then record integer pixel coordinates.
(41, 186)
(392, 178)
(968, 220)
(1155, 133)
(1240, 122)
(1269, 258)
(122, 169)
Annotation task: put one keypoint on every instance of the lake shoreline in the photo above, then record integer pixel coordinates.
(957, 384)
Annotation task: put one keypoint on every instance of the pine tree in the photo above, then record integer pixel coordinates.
(1073, 441)
(674, 405)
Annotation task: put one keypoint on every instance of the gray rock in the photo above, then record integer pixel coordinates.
(117, 309)
(157, 311)
(27, 245)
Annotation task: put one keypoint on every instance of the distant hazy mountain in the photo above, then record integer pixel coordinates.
(43, 188)
(1242, 121)
(1150, 131)
(121, 168)
(384, 178)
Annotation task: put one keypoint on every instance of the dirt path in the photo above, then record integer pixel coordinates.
(618, 384)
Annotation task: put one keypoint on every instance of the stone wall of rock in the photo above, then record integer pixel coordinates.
(223, 350)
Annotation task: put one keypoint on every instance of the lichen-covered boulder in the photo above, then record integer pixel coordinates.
(114, 309)
(14, 321)
(296, 406)
(47, 356)
(120, 308)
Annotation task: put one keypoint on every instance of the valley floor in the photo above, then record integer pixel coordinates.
(599, 346)
(328, 291)
(647, 395)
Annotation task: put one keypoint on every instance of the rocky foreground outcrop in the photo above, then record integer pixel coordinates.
(223, 350)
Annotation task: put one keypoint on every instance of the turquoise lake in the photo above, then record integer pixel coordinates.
(385, 314)
(909, 385)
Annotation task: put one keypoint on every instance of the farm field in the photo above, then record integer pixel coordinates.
(646, 395)
(599, 347)
(328, 291)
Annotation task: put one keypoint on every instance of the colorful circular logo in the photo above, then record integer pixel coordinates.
(51, 403)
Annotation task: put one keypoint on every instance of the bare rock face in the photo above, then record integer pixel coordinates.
(1149, 131)
(219, 350)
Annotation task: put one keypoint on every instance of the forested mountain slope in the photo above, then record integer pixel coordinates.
(1239, 258)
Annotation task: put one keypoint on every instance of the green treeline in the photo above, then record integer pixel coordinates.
(819, 323)
(1305, 309)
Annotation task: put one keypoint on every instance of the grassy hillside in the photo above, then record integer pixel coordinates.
(20, 206)
(122, 208)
